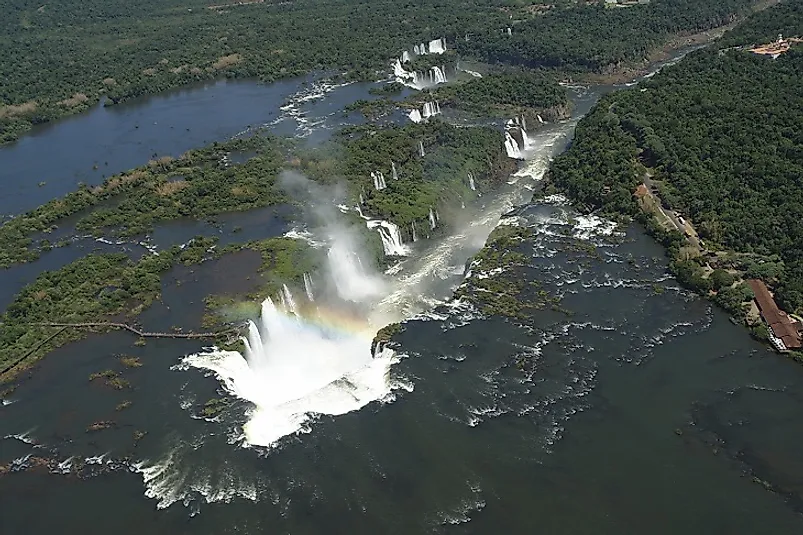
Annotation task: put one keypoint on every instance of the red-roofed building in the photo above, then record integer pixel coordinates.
(782, 328)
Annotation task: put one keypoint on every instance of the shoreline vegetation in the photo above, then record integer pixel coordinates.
(121, 51)
(719, 186)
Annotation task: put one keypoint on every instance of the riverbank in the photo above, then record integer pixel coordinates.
(725, 217)
(626, 73)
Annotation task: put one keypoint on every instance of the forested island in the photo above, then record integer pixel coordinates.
(709, 156)
(59, 61)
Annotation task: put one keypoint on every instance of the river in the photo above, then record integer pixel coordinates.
(643, 410)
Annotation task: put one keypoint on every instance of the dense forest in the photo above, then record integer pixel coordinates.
(507, 94)
(61, 57)
(722, 133)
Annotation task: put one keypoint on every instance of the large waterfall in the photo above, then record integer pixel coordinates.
(391, 237)
(379, 180)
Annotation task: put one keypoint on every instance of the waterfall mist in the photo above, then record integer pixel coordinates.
(311, 350)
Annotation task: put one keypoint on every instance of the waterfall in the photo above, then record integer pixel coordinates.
(512, 147)
(437, 75)
(471, 181)
(395, 173)
(421, 149)
(405, 57)
(508, 31)
(398, 70)
(308, 287)
(515, 148)
(437, 46)
(430, 109)
(362, 200)
(420, 50)
(540, 120)
(432, 221)
(412, 226)
(391, 237)
(379, 180)
(415, 116)
(287, 300)
(293, 368)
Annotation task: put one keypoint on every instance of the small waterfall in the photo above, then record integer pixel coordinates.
(471, 181)
(287, 300)
(420, 50)
(415, 116)
(393, 170)
(437, 75)
(437, 46)
(398, 70)
(421, 149)
(475, 74)
(540, 120)
(516, 127)
(512, 147)
(405, 57)
(392, 241)
(362, 201)
(379, 180)
(508, 31)
(430, 109)
(308, 287)
(433, 222)
(412, 226)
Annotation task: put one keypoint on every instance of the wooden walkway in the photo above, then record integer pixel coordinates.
(143, 334)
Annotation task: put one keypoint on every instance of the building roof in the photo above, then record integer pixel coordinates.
(782, 327)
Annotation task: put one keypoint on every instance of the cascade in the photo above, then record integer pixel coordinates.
(391, 237)
(512, 147)
(430, 109)
(432, 221)
(421, 149)
(287, 300)
(415, 116)
(379, 180)
(398, 70)
(437, 46)
(471, 181)
(393, 171)
(308, 287)
(437, 75)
